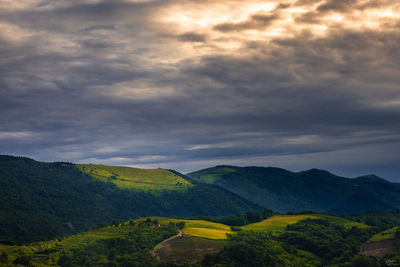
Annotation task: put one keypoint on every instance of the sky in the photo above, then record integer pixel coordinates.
(190, 84)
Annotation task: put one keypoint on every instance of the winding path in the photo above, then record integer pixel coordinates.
(161, 244)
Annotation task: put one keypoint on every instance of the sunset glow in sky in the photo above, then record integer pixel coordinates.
(190, 84)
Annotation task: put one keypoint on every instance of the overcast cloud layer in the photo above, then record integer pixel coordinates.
(192, 84)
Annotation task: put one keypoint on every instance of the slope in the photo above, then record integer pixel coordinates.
(279, 222)
(41, 201)
(315, 189)
(150, 180)
(134, 239)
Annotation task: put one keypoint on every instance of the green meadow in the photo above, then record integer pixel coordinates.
(137, 179)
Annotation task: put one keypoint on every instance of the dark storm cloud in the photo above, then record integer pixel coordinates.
(254, 22)
(337, 5)
(106, 82)
(192, 37)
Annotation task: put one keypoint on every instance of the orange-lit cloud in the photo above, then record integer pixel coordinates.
(193, 83)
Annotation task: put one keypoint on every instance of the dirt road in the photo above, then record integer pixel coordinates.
(162, 243)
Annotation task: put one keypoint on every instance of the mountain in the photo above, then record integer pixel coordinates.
(315, 189)
(46, 200)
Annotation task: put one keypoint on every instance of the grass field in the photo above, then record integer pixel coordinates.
(189, 249)
(387, 234)
(279, 222)
(134, 178)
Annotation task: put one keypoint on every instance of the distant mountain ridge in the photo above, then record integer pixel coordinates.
(315, 189)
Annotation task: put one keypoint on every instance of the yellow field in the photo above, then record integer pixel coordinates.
(134, 178)
(194, 223)
(206, 233)
(200, 228)
(279, 222)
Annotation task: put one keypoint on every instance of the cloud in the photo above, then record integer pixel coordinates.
(192, 37)
(254, 22)
(12, 135)
(189, 85)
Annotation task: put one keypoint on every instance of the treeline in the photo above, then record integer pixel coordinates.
(127, 250)
(130, 251)
(325, 244)
(380, 220)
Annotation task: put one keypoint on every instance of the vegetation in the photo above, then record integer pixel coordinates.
(387, 234)
(201, 228)
(153, 180)
(256, 249)
(58, 202)
(116, 245)
(239, 220)
(42, 201)
(327, 240)
(190, 249)
(207, 233)
(380, 220)
(280, 222)
(317, 190)
(331, 242)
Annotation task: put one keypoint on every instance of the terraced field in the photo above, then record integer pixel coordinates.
(53, 248)
(279, 222)
(133, 178)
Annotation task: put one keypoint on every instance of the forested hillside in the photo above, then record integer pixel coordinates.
(316, 190)
(46, 200)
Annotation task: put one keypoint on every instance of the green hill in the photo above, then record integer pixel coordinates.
(137, 179)
(40, 201)
(315, 190)
(139, 236)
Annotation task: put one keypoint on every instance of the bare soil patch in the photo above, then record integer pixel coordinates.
(378, 249)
